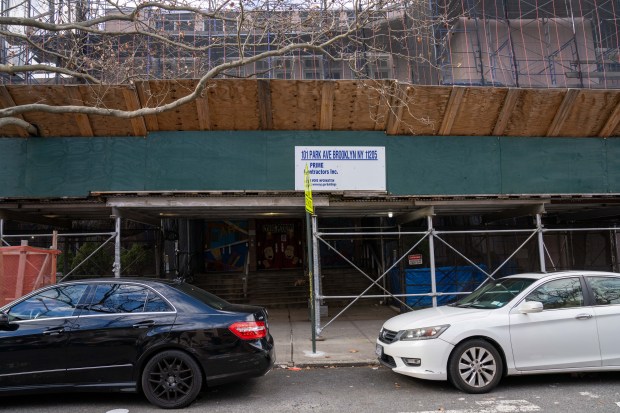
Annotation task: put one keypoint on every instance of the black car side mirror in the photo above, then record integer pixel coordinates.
(4, 320)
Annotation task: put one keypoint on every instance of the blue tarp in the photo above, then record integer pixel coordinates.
(448, 279)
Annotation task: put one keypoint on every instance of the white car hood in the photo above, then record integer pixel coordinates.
(430, 317)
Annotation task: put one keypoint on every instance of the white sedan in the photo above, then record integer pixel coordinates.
(522, 324)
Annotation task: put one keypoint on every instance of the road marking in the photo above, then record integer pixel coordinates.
(496, 406)
(587, 393)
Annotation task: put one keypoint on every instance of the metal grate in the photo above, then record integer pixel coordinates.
(387, 336)
(388, 361)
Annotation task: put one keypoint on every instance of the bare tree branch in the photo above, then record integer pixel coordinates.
(46, 68)
(110, 43)
(31, 129)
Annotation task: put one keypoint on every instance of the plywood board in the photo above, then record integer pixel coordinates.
(296, 105)
(479, 111)
(612, 125)
(424, 110)
(6, 101)
(379, 102)
(534, 112)
(361, 105)
(233, 104)
(236, 104)
(143, 89)
(111, 98)
(589, 113)
(49, 124)
(183, 117)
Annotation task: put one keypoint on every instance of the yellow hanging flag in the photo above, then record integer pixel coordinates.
(308, 191)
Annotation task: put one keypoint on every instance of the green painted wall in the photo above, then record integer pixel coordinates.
(264, 160)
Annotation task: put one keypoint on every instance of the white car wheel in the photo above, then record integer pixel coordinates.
(475, 367)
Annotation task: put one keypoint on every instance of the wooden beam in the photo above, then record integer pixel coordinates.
(396, 108)
(452, 109)
(82, 120)
(202, 107)
(145, 96)
(563, 111)
(264, 105)
(510, 102)
(428, 211)
(327, 105)
(612, 123)
(6, 101)
(132, 103)
(33, 218)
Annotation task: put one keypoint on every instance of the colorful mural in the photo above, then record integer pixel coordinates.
(226, 246)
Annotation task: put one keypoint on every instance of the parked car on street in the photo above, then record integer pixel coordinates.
(521, 324)
(163, 338)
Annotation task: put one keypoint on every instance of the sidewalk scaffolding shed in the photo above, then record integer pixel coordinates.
(24, 269)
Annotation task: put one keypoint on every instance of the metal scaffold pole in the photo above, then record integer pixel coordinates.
(541, 244)
(431, 251)
(318, 288)
(117, 249)
(309, 236)
(311, 278)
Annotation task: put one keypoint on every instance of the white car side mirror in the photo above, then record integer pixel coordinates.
(527, 307)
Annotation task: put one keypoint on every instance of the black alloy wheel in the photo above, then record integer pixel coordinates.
(171, 379)
(475, 367)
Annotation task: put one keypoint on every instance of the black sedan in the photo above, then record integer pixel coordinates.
(163, 338)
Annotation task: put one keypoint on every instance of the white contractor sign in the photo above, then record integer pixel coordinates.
(341, 168)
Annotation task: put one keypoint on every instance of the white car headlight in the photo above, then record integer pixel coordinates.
(424, 333)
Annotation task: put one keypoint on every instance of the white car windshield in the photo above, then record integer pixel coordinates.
(494, 294)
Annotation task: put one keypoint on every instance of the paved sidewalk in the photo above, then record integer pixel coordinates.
(348, 341)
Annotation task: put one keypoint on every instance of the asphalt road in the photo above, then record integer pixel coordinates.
(356, 389)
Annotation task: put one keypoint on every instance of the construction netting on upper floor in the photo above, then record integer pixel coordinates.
(514, 43)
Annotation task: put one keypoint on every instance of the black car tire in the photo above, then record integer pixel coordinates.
(171, 379)
(475, 367)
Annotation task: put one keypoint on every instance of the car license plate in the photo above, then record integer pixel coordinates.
(379, 350)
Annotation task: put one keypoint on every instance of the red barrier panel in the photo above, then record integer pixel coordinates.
(24, 269)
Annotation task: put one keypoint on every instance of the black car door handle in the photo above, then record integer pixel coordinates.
(144, 324)
(54, 331)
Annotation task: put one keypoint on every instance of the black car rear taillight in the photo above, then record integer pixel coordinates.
(249, 330)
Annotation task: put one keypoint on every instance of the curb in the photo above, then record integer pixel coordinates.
(328, 364)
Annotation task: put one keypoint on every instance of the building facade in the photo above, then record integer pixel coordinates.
(454, 141)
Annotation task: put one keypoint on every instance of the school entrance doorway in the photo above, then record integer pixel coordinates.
(279, 244)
